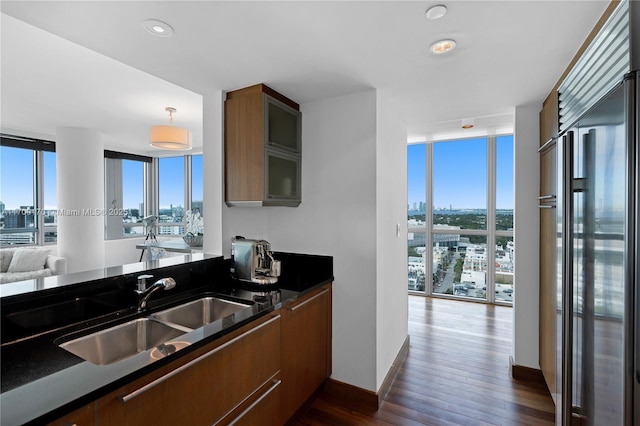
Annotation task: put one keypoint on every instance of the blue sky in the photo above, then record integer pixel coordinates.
(460, 173)
(16, 179)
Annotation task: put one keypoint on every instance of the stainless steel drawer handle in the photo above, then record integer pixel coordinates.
(547, 144)
(256, 402)
(542, 206)
(308, 300)
(178, 370)
(546, 197)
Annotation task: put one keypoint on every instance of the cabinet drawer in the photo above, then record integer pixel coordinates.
(262, 409)
(204, 389)
(84, 416)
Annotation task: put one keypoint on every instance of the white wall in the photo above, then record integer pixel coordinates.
(337, 217)
(526, 235)
(213, 160)
(391, 239)
(79, 176)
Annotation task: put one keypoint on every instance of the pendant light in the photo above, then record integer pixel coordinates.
(170, 137)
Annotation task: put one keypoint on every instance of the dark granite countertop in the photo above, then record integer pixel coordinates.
(41, 381)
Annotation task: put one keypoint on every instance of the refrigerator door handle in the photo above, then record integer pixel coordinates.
(567, 280)
(632, 85)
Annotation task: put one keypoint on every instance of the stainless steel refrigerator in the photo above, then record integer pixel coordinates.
(598, 217)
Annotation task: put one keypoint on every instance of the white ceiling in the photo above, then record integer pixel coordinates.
(104, 71)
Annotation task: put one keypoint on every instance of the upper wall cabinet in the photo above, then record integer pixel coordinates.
(262, 148)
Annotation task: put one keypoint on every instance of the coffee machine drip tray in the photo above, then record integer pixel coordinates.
(264, 280)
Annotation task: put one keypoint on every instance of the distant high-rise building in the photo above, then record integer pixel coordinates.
(21, 218)
(1, 208)
(196, 206)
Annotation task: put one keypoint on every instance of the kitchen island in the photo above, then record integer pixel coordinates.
(43, 383)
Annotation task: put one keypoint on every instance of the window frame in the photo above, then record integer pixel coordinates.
(38, 148)
(490, 232)
(114, 224)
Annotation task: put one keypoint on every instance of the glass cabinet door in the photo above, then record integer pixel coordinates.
(282, 176)
(282, 125)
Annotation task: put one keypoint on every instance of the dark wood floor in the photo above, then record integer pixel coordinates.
(456, 373)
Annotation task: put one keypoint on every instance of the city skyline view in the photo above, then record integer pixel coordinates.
(18, 192)
(442, 257)
(456, 165)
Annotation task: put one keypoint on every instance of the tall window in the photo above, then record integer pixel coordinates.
(138, 186)
(50, 197)
(133, 208)
(18, 196)
(125, 194)
(463, 242)
(171, 195)
(28, 212)
(197, 181)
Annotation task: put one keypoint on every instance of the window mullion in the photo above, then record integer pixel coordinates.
(38, 196)
(491, 218)
(188, 185)
(428, 212)
(153, 190)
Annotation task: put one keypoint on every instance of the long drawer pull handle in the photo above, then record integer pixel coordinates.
(546, 197)
(256, 402)
(178, 370)
(546, 207)
(547, 144)
(308, 300)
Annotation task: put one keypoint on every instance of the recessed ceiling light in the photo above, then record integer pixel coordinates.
(158, 28)
(436, 12)
(443, 46)
(467, 123)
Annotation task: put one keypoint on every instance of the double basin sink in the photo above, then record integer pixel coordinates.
(153, 331)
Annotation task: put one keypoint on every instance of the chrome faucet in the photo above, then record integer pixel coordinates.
(164, 283)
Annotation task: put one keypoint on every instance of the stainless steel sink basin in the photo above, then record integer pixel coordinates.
(122, 341)
(200, 312)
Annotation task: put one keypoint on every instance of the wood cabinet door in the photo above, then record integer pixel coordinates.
(203, 389)
(548, 167)
(549, 118)
(306, 348)
(548, 311)
(84, 416)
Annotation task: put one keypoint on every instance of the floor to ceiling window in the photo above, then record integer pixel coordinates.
(28, 207)
(461, 202)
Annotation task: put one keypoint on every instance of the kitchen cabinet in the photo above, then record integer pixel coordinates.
(264, 410)
(547, 201)
(549, 118)
(306, 348)
(84, 416)
(262, 148)
(210, 386)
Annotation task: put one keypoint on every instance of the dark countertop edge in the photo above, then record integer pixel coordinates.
(43, 285)
(97, 393)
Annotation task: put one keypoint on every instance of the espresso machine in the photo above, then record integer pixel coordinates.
(252, 261)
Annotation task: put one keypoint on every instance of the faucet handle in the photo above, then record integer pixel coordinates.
(142, 282)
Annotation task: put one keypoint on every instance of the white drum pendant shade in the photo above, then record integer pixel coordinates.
(170, 137)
